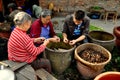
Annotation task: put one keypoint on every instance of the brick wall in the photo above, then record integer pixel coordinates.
(72, 5)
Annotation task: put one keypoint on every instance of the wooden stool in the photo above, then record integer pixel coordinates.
(24, 71)
(110, 14)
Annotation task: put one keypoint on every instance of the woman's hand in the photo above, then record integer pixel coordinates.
(46, 41)
(55, 39)
(42, 39)
(39, 40)
(65, 40)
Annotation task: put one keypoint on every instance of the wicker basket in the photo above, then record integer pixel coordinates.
(94, 66)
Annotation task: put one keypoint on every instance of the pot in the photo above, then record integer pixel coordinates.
(111, 75)
(60, 58)
(105, 39)
(86, 71)
(95, 66)
(116, 32)
(92, 69)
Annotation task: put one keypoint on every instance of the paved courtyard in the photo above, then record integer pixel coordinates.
(108, 26)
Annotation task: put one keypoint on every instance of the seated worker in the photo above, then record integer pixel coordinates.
(43, 27)
(75, 28)
(13, 10)
(21, 47)
(36, 11)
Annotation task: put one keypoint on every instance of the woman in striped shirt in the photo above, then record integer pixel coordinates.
(21, 47)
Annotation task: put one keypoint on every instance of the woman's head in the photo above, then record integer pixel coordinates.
(78, 16)
(12, 7)
(45, 16)
(22, 20)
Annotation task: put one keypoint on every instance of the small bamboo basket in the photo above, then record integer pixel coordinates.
(94, 66)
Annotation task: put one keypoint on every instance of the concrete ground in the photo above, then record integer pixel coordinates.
(108, 26)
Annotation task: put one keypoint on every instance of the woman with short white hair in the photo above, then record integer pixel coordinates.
(21, 47)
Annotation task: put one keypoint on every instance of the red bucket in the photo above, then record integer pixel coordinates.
(108, 76)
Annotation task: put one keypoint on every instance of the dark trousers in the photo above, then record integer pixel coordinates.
(41, 63)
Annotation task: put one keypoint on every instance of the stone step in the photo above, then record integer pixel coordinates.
(44, 75)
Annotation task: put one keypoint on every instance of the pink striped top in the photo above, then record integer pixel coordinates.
(21, 47)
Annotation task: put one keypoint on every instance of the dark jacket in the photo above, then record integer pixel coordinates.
(69, 27)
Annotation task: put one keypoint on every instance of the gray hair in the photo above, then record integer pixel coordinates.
(45, 12)
(22, 17)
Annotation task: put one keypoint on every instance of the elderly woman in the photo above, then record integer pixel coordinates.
(13, 10)
(21, 47)
(43, 27)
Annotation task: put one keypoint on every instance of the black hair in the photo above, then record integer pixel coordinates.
(79, 15)
(12, 5)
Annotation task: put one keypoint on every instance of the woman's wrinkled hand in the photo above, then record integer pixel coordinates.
(54, 39)
(39, 40)
(42, 39)
(46, 41)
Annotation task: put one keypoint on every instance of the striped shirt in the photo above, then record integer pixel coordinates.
(21, 47)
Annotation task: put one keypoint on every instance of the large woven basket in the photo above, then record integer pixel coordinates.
(95, 66)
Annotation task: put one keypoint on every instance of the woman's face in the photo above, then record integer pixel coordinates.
(27, 25)
(46, 19)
